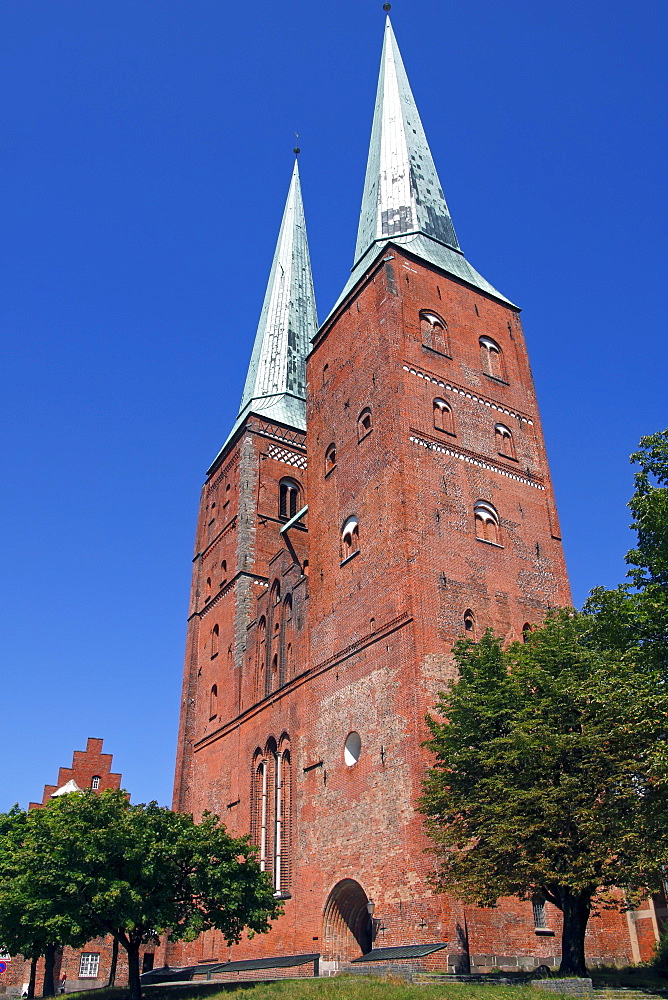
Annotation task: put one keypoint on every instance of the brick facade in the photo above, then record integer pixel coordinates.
(292, 649)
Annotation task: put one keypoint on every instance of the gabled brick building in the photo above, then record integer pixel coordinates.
(384, 491)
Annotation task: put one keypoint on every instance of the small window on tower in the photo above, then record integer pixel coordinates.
(469, 623)
(527, 629)
(95, 782)
(487, 527)
(288, 499)
(330, 459)
(215, 635)
(364, 424)
(434, 332)
(443, 418)
(504, 441)
(491, 358)
(350, 539)
(213, 702)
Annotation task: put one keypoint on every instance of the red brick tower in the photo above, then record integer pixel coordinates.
(247, 590)
(314, 656)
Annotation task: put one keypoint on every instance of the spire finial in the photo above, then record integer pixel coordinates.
(387, 7)
(296, 150)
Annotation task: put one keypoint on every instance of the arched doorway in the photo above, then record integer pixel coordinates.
(347, 931)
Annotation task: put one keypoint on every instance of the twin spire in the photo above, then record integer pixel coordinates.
(403, 203)
(276, 382)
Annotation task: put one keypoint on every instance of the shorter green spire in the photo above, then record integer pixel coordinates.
(276, 382)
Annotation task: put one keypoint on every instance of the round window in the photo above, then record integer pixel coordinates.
(352, 749)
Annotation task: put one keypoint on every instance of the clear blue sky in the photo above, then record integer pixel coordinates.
(146, 152)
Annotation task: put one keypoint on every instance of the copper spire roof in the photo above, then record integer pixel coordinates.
(276, 382)
(403, 200)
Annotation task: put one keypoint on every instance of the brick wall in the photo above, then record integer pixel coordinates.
(371, 631)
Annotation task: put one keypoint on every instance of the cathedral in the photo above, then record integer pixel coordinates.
(383, 493)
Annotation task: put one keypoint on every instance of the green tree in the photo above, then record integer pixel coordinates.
(634, 617)
(36, 916)
(550, 776)
(138, 871)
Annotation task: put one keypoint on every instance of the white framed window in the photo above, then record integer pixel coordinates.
(89, 964)
(95, 782)
(539, 918)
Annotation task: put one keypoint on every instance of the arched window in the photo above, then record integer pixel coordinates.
(434, 332)
(261, 657)
(215, 635)
(259, 803)
(330, 458)
(283, 827)
(527, 629)
(487, 523)
(208, 589)
(213, 702)
(276, 593)
(350, 538)
(286, 622)
(443, 418)
(223, 573)
(504, 441)
(271, 812)
(469, 623)
(288, 498)
(364, 424)
(491, 358)
(95, 782)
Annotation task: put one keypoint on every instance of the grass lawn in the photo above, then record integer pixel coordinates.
(343, 988)
(365, 988)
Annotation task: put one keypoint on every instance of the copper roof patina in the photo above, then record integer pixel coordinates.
(403, 200)
(276, 382)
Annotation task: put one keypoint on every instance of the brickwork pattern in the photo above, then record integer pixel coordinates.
(371, 626)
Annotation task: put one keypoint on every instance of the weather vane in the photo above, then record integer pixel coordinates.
(296, 150)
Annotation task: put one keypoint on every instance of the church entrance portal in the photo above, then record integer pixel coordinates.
(346, 923)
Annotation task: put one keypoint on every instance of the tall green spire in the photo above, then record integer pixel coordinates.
(276, 382)
(403, 200)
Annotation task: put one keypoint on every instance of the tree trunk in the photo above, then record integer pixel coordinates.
(33, 977)
(575, 908)
(48, 989)
(134, 982)
(114, 963)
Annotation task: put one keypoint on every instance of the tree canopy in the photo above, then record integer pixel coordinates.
(633, 618)
(550, 775)
(35, 920)
(137, 871)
